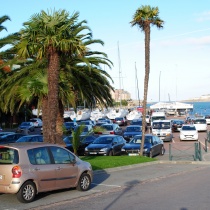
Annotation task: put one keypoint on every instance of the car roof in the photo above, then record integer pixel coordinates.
(28, 145)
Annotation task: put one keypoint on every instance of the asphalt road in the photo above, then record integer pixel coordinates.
(143, 186)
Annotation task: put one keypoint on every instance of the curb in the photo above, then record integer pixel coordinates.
(150, 163)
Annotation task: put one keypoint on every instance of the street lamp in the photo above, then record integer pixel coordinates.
(159, 85)
(25, 111)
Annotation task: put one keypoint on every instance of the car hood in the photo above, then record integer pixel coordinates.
(98, 146)
(188, 132)
(136, 146)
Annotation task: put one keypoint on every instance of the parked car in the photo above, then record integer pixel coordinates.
(6, 132)
(86, 122)
(106, 145)
(200, 124)
(152, 146)
(10, 138)
(131, 131)
(177, 124)
(120, 121)
(84, 142)
(69, 126)
(207, 117)
(31, 168)
(26, 126)
(138, 122)
(37, 122)
(111, 129)
(31, 138)
(188, 132)
(87, 130)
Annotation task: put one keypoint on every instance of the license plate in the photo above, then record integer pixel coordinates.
(93, 153)
(133, 154)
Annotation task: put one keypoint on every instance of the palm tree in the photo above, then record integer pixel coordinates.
(49, 36)
(143, 18)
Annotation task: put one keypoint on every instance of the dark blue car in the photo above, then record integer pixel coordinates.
(131, 131)
(106, 145)
(84, 142)
(152, 146)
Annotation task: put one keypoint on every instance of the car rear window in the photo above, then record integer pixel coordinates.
(8, 156)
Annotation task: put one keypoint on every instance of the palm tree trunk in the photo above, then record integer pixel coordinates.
(146, 81)
(53, 78)
(45, 119)
(59, 125)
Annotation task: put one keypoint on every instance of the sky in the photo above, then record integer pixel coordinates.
(179, 53)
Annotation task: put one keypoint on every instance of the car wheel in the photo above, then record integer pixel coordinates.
(150, 154)
(162, 151)
(27, 192)
(84, 182)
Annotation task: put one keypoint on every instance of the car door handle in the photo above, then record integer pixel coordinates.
(36, 169)
(58, 168)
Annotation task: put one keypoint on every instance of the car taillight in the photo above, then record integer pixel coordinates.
(112, 132)
(99, 132)
(16, 172)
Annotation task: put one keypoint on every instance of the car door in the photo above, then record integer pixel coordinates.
(154, 145)
(65, 168)
(116, 146)
(42, 168)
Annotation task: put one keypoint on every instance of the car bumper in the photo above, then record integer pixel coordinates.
(11, 188)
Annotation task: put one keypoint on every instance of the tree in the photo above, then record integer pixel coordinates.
(50, 36)
(143, 18)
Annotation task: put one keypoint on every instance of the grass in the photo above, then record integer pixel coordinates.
(103, 162)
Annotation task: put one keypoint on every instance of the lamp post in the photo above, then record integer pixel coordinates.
(159, 85)
(25, 111)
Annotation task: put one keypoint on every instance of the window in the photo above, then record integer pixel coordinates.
(8, 156)
(39, 156)
(61, 156)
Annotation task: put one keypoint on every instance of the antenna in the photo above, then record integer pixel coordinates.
(119, 74)
(137, 84)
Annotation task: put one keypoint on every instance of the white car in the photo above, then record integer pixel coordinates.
(200, 124)
(37, 122)
(188, 132)
(207, 117)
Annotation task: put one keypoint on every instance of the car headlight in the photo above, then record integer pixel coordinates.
(145, 150)
(86, 149)
(103, 150)
(123, 150)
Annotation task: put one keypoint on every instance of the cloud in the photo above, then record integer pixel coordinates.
(202, 17)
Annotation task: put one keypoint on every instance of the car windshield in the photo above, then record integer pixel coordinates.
(158, 118)
(138, 139)
(178, 122)
(161, 125)
(25, 123)
(138, 122)
(103, 140)
(133, 129)
(188, 128)
(200, 121)
(118, 119)
(8, 156)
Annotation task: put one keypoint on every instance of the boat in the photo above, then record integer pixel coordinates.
(133, 115)
(113, 113)
(82, 114)
(97, 113)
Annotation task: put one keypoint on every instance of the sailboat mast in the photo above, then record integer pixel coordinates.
(137, 84)
(120, 97)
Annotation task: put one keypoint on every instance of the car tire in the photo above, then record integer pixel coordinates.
(84, 182)
(27, 192)
(162, 151)
(151, 154)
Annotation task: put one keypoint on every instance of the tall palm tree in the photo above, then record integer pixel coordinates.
(143, 18)
(49, 36)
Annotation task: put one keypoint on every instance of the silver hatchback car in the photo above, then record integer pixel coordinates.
(27, 169)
